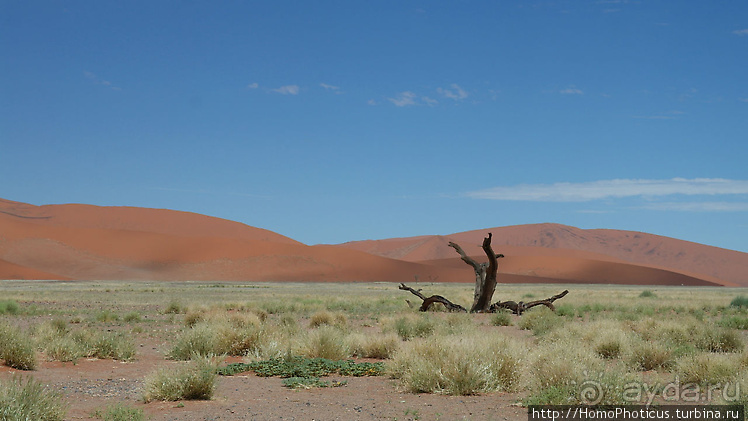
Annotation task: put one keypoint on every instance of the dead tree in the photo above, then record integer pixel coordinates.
(485, 286)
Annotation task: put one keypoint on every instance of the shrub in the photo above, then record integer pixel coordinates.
(324, 317)
(458, 366)
(647, 294)
(414, 326)
(707, 369)
(174, 307)
(28, 400)
(217, 337)
(120, 412)
(132, 317)
(113, 345)
(734, 322)
(199, 341)
(380, 346)
(646, 355)
(714, 339)
(8, 307)
(327, 342)
(740, 301)
(540, 320)
(17, 349)
(609, 346)
(107, 316)
(193, 381)
(501, 319)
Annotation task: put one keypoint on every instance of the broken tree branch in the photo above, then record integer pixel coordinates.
(428, 301)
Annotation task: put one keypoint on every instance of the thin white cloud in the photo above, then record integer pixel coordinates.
(670, 115)
(741, 32)
(404, 99)
(97, 81)
(254, 85)
(329, 87)
(698, 206)
(372, 102)
(288, 90)
(431, 102)
(604, 189)
(456, 93)
(572, 90)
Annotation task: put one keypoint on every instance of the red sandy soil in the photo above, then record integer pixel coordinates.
(124, 243)
(92, 385)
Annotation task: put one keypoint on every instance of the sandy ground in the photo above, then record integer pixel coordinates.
(95, 384)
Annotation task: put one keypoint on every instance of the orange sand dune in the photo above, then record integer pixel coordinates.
(713, 264)
(91, 242)
(70, 252)
(566, 268)
(161, 221)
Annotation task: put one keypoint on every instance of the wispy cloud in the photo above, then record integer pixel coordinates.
(404, 99)
(456, 92)
(254, 85)
(572, 90)
(288, 90)
(741, 32)
(97, 81)
(698, 206)
(670, 115)
(431, 102)
(332, 88)
(619, 188)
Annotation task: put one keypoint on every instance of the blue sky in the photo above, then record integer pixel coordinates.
(338, 121)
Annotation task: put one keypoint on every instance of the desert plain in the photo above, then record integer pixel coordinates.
(129, 313)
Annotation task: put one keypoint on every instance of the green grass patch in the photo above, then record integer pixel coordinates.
(17, 348)
(647, 294)
(120, 412)
(310, 382)
(501, 319)
(9, 307)
(193, 381)
(26, 399)
(734, 322)
(741, 301)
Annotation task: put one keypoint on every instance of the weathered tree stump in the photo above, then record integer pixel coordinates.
(485, 287)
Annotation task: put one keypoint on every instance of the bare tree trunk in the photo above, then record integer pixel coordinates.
(485, 286)
(485, 275)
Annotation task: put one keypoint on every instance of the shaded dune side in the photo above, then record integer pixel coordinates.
(713, 264)
(90, 253)
(569, 269)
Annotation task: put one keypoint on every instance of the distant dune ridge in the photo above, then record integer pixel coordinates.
(89, 242)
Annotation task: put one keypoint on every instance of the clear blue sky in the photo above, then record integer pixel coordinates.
(336, 121)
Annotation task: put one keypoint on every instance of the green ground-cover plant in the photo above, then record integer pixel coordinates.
(310, 382)
(23, 399)
(741, 301)
(120, 412)
(9, 307)
(297, 366)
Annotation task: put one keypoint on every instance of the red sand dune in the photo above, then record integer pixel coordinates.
(712, 264)
(91, 242)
